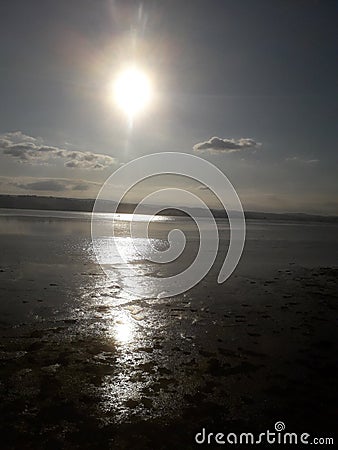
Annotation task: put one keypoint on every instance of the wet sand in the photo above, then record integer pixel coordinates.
(86, 365)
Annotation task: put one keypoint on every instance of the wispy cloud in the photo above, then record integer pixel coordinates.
(299, 160)
(47, 185)
(27, 149)
(225, 145)
(54, 186)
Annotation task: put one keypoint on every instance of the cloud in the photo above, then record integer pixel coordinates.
(298, 160)
(65, 186)
(224, 145)
(203, 188)
(50, 184)
(54, 186)
(27, 149)
(18, 136)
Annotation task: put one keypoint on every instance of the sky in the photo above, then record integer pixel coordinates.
(249, 85)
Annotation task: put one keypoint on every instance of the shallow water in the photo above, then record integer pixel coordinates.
(83, 354)
(43, 248)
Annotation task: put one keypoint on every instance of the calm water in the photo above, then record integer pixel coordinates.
(42, 248)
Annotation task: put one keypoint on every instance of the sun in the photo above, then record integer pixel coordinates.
(132, 91)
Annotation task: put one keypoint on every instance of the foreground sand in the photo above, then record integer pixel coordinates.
(150, 374)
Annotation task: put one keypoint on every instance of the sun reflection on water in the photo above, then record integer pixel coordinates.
(123, 332)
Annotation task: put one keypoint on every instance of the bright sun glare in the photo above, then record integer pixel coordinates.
(132, 91)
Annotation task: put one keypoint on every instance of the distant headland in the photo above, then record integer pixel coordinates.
(86, 205)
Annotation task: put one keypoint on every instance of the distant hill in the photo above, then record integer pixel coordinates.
(45, 203)
(86, 205)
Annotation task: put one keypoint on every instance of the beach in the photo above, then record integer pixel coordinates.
(87, 364)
